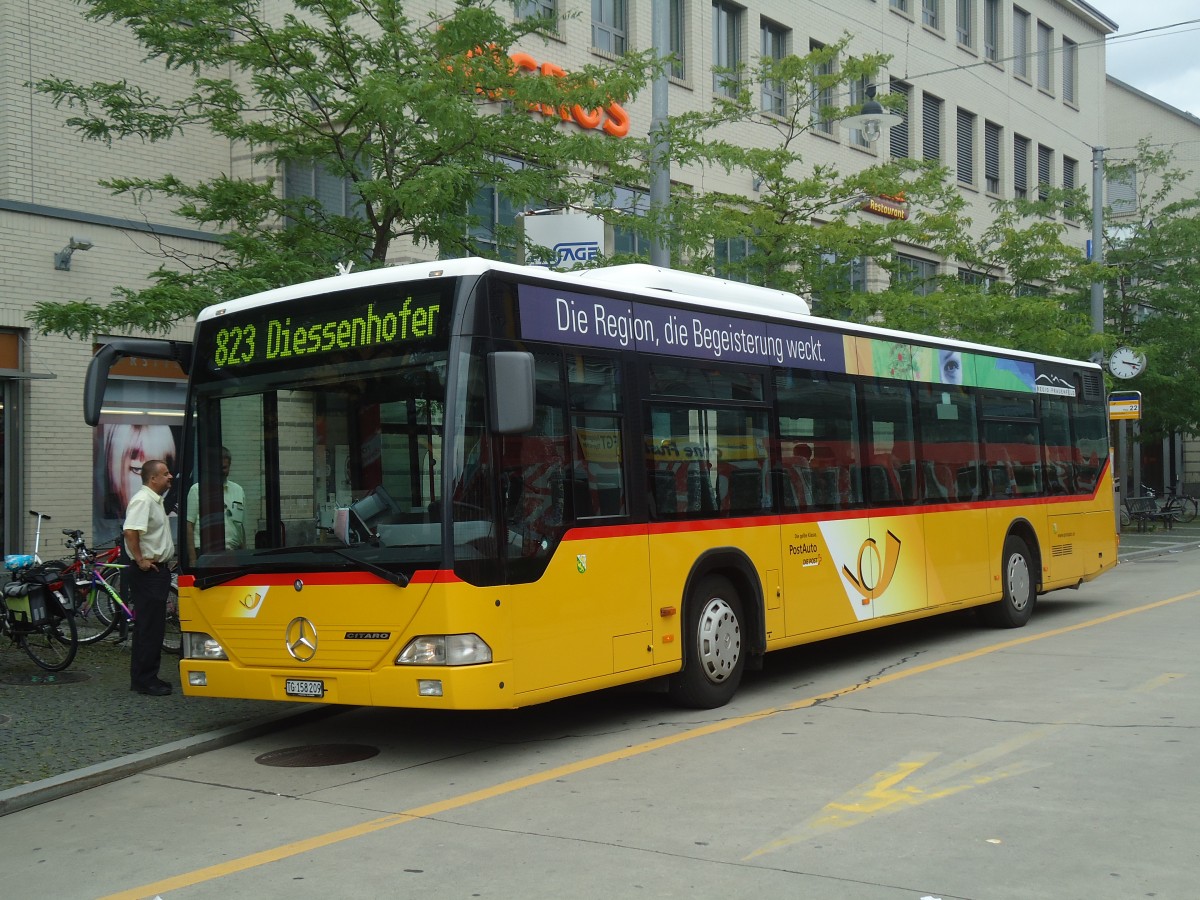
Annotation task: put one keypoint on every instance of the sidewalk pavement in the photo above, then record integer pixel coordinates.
(66, 732)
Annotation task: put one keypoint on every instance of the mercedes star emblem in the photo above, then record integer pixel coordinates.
(301, 639)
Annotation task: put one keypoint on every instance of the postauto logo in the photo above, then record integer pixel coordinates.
(570, 252)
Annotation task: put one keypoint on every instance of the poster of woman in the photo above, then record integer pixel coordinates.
(118, 452)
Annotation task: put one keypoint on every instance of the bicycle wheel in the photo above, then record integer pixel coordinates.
(1125, 519)
(53, 644)
(1186, 511)
(94, 620)
(173, 637)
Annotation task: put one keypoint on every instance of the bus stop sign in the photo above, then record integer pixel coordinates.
(1125, 405)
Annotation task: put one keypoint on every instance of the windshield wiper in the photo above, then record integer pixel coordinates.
(206, 581)
(396, 578)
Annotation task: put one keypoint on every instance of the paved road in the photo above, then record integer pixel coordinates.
(64, 733)
(935, 759)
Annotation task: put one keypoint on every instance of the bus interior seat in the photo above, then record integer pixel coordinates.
(825, 488)
(699, 489)
(666, 497)
(744, 492)
(784, 492)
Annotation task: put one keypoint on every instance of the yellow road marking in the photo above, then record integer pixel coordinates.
(285, 851)
(908, 785)
(1154, 683)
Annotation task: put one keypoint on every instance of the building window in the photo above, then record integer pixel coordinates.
(991, 157)
(1045, 66)
(899, 135)
(608, 25)
(1021, 167)
(822, 97)
(1070, 69)
(858, 95)
(1070, 176)
(774, 47)
(678, 46)
(631, 202)
(1020, 43)
(537, 9)
(966, 276)
(492, 212)
(991, 30)
(931, 127)
(729, 258)
(1121, 184)
(726, 41)
(335, 193)
(840, 276)
(931, 14)
(1045, 167)
(902, 5)
(919, 275)
(965, 27)
(966, 147)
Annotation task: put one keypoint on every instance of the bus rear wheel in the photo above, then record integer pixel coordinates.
(1015, 607)
(714, 653)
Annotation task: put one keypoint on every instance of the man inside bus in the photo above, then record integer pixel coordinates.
(235, 512)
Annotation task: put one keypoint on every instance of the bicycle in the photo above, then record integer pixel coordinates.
(99, 609)
(37, 615)
(1179, 507)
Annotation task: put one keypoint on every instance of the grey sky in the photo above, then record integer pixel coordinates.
(1164, 64)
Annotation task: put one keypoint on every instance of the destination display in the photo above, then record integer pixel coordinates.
(391, 317)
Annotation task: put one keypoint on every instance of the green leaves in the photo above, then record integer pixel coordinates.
(405, 119)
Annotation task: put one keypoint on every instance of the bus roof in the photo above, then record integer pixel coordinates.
(652, 282)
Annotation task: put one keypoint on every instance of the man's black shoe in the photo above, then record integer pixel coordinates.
(159, 689)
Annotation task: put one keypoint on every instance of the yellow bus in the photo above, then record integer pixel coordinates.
(473, 485)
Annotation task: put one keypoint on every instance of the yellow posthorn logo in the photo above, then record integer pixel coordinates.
(251, 600)
(887, 565)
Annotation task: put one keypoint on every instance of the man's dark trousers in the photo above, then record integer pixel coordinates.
(148, 592)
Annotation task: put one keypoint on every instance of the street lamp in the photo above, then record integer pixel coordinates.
(874, 118)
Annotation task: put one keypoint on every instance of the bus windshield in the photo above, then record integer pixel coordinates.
(315, 457)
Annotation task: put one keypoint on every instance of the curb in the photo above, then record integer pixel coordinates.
(35, 793)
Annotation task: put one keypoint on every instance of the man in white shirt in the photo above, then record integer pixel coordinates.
(150, 546)
(235, 512)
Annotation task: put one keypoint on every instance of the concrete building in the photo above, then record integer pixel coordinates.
(1009, 95)
(1134, 116)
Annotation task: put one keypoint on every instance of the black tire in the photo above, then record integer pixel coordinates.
(1125, 520)
(714, 653)
(1184, 510)
(53, 644)
(1018, 578)
(173, 637)
(94, 620)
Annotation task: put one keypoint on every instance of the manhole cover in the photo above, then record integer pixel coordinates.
(45, 678)
(317, 755)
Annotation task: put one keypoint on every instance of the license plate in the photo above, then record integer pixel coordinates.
(303, 687)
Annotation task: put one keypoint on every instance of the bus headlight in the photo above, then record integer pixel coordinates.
(198, 645)
(445, 650)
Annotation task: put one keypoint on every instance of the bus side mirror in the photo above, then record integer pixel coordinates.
(511, 390)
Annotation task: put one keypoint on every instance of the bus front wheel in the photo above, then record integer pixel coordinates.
(714, 653)
(1017, 577)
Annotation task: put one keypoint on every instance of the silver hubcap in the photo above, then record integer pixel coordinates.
(1018, 581)
(720, 640)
